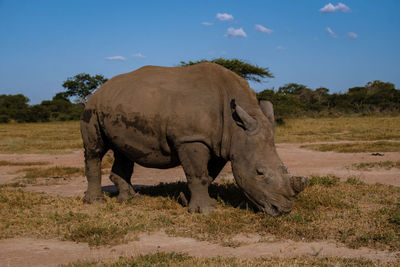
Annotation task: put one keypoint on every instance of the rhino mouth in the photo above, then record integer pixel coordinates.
(265, 206)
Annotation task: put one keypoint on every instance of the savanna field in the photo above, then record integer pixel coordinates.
(348, 215)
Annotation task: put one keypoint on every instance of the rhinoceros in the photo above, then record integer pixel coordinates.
(199, 117)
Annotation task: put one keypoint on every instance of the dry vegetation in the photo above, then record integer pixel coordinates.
(32, 175)
(381, 146)
(367, 166)
(336, 129)
(22, 163)
(179, 259)
(352, 212)
(54, 137)
(53, 175)
(59, 137)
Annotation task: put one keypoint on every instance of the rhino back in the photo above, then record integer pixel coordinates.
(148, 113)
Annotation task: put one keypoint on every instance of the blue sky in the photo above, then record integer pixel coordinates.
(333, 44)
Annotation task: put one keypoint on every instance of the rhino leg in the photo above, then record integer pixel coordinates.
(93, 175)
(94, 152)
(194, 158)
(121, 173)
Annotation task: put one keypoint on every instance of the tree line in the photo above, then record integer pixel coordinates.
(60, 108)
(290, 100)
(294, 99)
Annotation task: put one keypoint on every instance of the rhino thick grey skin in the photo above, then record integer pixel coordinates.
(200, 117)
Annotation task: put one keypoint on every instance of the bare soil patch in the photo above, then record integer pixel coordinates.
(308, 162)
(34, 252)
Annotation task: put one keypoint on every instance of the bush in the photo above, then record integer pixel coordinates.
(4, 119)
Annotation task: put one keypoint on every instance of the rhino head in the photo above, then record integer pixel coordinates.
(256, 166)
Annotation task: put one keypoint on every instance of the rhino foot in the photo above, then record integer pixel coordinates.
(93, 198)
(124, 187)
(204, 206)
(127, 194)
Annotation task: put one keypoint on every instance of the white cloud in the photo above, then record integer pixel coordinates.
(331, 32)
(263, 29)
(121, 58)
(280, 48)
(207, 23)
(329, 8)
(352, 35)
(232, 32)
(224, 16)
(139, 55)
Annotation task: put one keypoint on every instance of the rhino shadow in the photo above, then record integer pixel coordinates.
(225, 193)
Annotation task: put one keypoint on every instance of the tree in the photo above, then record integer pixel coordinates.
(14, 107)
(82, 85)
(61, 96)
(241, 68)
(292, 88)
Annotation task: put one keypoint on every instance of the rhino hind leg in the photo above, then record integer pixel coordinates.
(194, 159)
(94, 152)
(93, 175)
(121, 173)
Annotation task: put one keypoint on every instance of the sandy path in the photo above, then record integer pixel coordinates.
(308, 162)
(33, 252)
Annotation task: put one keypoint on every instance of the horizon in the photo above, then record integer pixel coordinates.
(332, 44)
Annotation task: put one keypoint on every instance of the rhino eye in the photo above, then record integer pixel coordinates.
(260, 171)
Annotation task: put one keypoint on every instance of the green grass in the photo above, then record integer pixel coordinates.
(381, 146)
(353, 213)
(180, 259)
(367, 166)
(327, 181)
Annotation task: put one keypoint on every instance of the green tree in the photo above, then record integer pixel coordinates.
(82, 85)
(14, 107)
(292, 88)
(241, 68)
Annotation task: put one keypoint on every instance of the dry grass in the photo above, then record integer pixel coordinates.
(334, 129)
(51, 137)
(353, 213)
(179, 259)
(381, 146)
(367, 166)
(59, 137)
(22, 163)
(31, 175)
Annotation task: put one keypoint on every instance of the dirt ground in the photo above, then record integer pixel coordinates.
(37, 252)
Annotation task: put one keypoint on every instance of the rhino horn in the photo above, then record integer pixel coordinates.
(299, 183)
(268, 110)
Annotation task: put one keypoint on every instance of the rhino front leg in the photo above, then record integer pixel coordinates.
(194, 158)
(121, 173)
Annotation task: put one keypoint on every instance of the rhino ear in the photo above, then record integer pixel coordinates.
(268, 110)
(242, 118)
